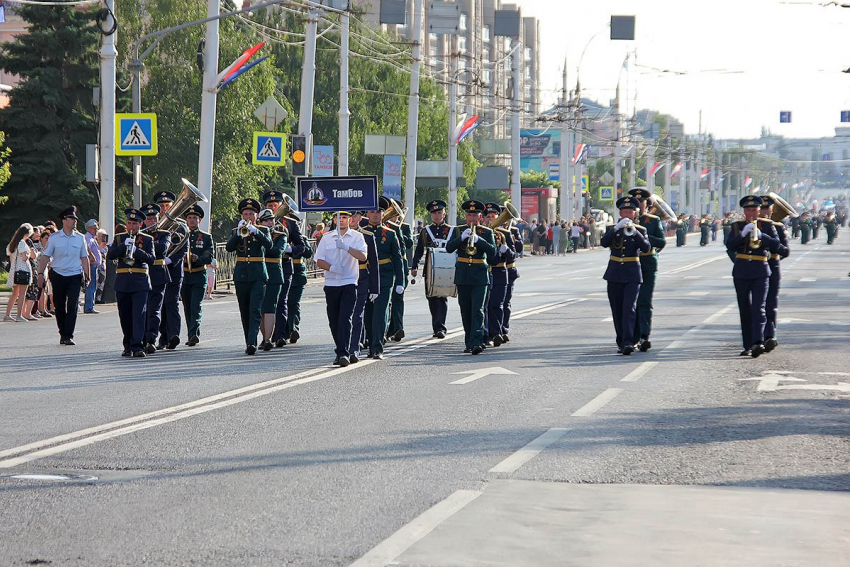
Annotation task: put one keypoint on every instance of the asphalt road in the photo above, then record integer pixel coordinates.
(550, 450)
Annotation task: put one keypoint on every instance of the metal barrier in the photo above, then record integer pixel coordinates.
(227, 264)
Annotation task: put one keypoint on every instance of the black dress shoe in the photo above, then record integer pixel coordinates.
(173, 342)
(343, 361)
(279, 343)
(619, 350)
(336, 361)
(353, 359)
(266, 346)
(62, 341)
(139, 354)
(477, 349)
(645, 345)
(398, 335)
(628, 349)
(160, 346)
(126, 353)
(294, 336)
(770, 344)
(506, 339)
(193, 340)
(150, 348)
(440, 335)
(745, 352)
(70, 342)
(251, 349)
(758, 350)
(497, 340)
(487, 344)
(377, 356)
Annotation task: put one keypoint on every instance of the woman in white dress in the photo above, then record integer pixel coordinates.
(19, 256)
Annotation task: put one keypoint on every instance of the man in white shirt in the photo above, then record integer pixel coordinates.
(337, 254)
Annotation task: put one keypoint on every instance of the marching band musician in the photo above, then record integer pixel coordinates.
(298, 257)
(831, 226)
(704, 229)
(338, 254)
(395, 328)
(391, 278)
(475, 246)
(777, 229)
(274, 270)
(498, 289)
(368, 285)
(250, 243)
(435, 235)
(513, 274)
(648, 268)
(681, 230)
(169, 328)
(200, 250)
(752, 249)
(158, 275)
(627, 240)
(135, 251)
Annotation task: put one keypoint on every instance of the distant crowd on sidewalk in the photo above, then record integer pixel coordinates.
(559, 237)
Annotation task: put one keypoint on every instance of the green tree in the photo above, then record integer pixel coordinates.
(50, 117)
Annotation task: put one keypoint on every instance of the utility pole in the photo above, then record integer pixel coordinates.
(668, 165)
(344, 112)
(308, 78)
(516, 188)
(632, 173)
(108, 53)
(650, 163)
(452, 177)
(413, 115)
(566, 173)
(618, 165)
(579, 166)
(206, 154)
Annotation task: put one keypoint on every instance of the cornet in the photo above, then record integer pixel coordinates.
(754, 242)
(243, 230)
(470, 247)
(629, 228)
(128, 255)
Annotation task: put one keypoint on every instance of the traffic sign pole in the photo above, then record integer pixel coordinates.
(344, 112)
(208, 103)
(413, 113)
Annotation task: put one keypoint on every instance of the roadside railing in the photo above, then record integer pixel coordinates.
(227, 264)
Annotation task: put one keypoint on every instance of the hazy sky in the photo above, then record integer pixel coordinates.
(791, 55)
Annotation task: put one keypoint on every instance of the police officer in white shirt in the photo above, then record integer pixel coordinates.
(338, 254)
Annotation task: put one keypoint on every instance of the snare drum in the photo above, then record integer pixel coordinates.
(440, 273)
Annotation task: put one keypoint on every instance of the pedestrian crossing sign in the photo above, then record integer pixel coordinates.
(135, 134)
(606, 193)
(269, 148)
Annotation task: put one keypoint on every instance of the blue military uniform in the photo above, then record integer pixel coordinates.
(169, 327)
(368, 283)
(649, 271)
(831, 226)
(750, 274)
(391, 274)
(513, 275)
(434, 236)
(395, 328)
(771, 305)
(274, 269)
(498, 288)
(472, 275)
(200, 250)
(805, 229)
(132, 283)
(159, 278)
(624, 275)
(704, 230)
(299, 257)
(249, 275)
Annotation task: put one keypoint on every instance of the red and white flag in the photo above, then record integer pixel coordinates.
(704, 173)
(676, 170)
(658, 165)
(747, 181)
(581, 151)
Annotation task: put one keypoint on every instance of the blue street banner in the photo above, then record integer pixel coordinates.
(354, 193)
(845, 115)
(392, 177)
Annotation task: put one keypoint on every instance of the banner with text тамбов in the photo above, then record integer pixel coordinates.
(353, 193)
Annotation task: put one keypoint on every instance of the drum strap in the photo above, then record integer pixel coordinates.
(438, 241)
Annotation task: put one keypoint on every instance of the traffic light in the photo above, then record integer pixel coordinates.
(299, 156)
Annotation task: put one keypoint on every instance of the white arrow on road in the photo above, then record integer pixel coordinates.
(793, 320)
(840, 387)
(770, 382)
(480, 373)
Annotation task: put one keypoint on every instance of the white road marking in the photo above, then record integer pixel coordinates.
(607, 320)
(597, 403)
(808, 279)
(386, 551)
(481, 373)
(674, 345)
(696, 265)
(771, 383)
(640, 371)
(698, 293)
(515, 461)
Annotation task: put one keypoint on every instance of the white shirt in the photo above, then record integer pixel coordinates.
(575, 231)
(345, 268)
(66, 251)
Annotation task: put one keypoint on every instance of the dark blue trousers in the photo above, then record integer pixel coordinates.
(357, 317)
(154, 313)
(132, 307)
(771, 305)
(496, 306)
(752, 295)
(170, 324)
(281, 319)
(340, 306)
(439, 308)
(623, 300)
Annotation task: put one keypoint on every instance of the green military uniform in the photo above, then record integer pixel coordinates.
(472, 276)
(296, 291)
(396, 323)
(681, 231)
(250, 274)
(274, 271)
(390, 274)
(727, 227)
(194, 286)
(704, 229)
(649, 271)
(831, 226)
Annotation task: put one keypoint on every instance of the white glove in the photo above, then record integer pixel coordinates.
(399, 289)
(621, 224)
(503, 248)
(128, 242)
(288, 249)
(252, 229)
(747, 230)
(373, 297)
(466, 234)
(342, 245)
(241, 223)
(168, 261)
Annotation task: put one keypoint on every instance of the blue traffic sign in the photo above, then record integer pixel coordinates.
(354, 193)
(606, 193)
(554, 172)
(785, 116)
(269, 148)
(135, 134)
(845, 115)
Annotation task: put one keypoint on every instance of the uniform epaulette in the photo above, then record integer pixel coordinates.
(120, 234)
(278, 232)
(145, 234)
(650, 216)
(364, 231)
(485, 227)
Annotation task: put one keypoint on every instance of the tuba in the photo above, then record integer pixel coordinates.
(656, 206)
(392, 212)
(781, 208)
(506, 216)
(171, 220)
(287, 209)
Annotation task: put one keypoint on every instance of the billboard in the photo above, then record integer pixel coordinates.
(538, 149)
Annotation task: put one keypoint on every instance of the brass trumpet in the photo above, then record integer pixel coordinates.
(470, 247)
(128, 255)
(244, 232)
(755, 243)
(629, 228)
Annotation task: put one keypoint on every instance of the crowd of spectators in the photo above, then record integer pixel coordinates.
(559, 237)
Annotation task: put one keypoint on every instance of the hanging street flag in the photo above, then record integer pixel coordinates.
(676, 170)
(658, 165)
(747, 181)
(466, 127)
(241, 70)
(581, 151)
(704, 173)
(238, 66)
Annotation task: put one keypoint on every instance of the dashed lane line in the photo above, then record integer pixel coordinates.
(597, 403)
(640, 371)
(534, 448)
